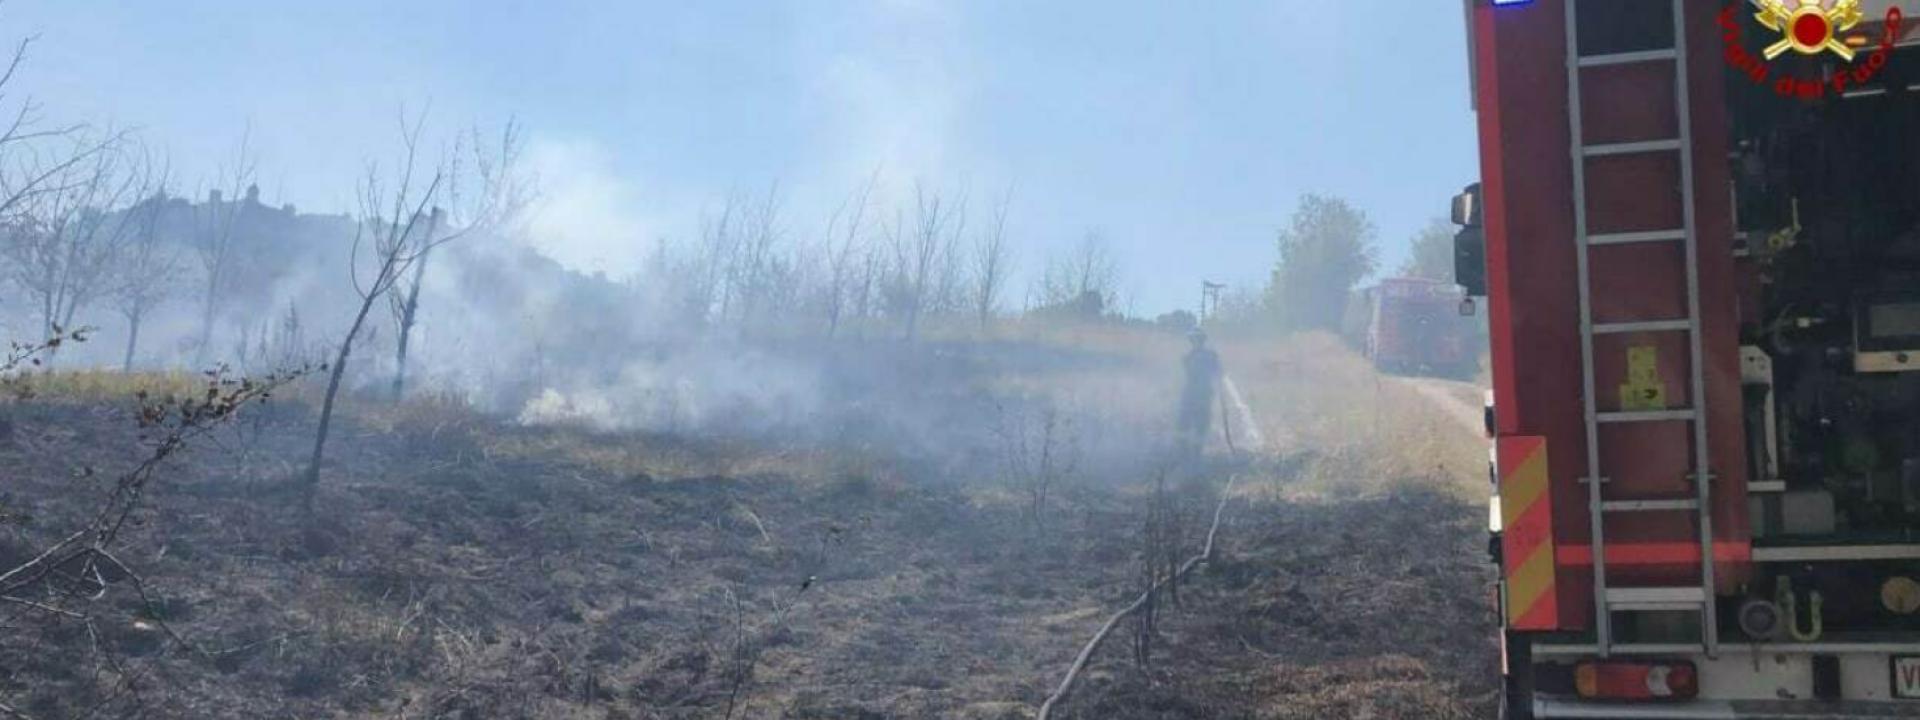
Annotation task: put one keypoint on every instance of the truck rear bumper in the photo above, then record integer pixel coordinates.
(1762, 681)
(1729, 709)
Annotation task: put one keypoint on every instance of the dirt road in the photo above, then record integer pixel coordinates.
(1459, 400)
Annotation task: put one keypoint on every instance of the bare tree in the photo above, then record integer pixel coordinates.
(1085, 279)
(948, 293)
(992, 262)
(404, 302)
(25, 169)
(1039, 451)
(671, 278)
(788, 279)
(392, 229)
(709, 270)
(1160, 555)
(844, 246)
(755, 272)
(149, 267)
(215, 224)
(488, 190)
(62, 241)
(863, 290)
(921, 250)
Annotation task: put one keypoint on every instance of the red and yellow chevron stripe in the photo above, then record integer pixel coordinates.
(1526, 521)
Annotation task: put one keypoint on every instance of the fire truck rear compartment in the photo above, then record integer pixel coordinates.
(1828, 220)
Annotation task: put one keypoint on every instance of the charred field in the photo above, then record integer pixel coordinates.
(460, 564)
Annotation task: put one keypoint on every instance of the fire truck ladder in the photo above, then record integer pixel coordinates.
(1608, 600)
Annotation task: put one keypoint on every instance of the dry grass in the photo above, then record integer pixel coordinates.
(1356, 428)
(552, 573)
(465, 566)
(107, 385)
(1141, 365)
(1373, 607)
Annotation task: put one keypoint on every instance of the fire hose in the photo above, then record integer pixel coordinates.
(1206, 554)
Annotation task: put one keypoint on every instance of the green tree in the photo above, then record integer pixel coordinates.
(1430, 252)
(1324, 251)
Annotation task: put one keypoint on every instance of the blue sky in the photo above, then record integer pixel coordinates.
(1183, 131)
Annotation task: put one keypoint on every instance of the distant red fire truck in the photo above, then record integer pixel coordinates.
(1414, 327)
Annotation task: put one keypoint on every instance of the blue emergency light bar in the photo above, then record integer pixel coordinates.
(1498, 3)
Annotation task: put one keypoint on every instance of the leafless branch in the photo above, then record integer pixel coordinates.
(992, 261)
(216, 222)
(843, 246)
(392, 218)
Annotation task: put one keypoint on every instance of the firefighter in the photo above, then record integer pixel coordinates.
(1202, 367)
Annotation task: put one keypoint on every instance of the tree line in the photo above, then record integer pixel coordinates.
(933, 258)
(92, 223)
(1327, 248)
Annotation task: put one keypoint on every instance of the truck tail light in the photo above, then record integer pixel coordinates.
(1626, 680)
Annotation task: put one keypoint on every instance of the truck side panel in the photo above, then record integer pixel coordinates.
(1526, 172)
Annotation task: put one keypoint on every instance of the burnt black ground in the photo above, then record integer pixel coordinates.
(460, 566)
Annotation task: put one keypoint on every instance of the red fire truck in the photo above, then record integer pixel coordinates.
(1698, 233)
(1414, 327)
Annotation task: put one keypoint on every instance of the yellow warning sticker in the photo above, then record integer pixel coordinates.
(1643, 389)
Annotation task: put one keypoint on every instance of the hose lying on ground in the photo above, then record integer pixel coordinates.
(1086, 653)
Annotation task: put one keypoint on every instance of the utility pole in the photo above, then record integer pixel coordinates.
(1209, 298)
